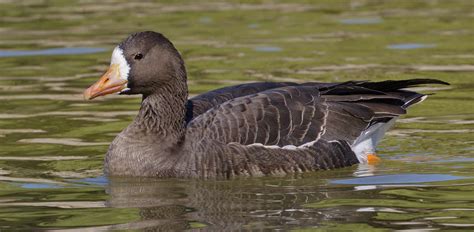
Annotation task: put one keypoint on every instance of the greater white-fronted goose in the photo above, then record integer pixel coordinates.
(250, 129)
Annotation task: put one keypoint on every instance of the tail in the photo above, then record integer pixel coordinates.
(394, 85)
(395, 88)
(364, 146)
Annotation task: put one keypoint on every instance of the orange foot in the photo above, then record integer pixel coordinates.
(372, 158)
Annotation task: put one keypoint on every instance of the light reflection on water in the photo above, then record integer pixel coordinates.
(268, 49)
(361, 21)
(50, 52)
(398, 179)
(99, 180)
(39, 186)
(52, 143)
(409, 46)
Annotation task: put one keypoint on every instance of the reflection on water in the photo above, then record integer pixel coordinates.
(52, 143)
(223, 205)
(268, 49)
(455, 160)
(357, 21)
(51, 51)
(398, 179)
(408, 46)
(39, 186)
(253, 25)
(205, 20)
(99, 180)
(63, 141)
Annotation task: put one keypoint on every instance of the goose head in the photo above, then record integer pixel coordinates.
(141, 64)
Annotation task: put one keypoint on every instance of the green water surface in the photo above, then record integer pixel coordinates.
(52, 142)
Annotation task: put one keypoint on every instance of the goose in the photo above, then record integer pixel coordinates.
(252, 129)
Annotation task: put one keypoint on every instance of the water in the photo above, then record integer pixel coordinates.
(408, 46)
(49, 52)
(267, 49)
(52, 143)
(398, 179)
(357, 21)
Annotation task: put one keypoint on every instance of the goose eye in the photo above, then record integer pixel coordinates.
(138, 56)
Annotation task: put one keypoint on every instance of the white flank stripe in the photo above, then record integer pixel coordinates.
(362, 146)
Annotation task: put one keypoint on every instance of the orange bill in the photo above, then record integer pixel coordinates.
(110, 82)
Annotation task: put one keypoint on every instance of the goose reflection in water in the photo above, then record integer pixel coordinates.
(259, 204)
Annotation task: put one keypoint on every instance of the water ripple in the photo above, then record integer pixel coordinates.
(268, 49)
(408, 46)
(62, 141)
(50, 52)
(60, 204)
(398, 179)
(43, 158)
(361, 21)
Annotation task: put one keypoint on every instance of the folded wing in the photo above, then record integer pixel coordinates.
(295, 116)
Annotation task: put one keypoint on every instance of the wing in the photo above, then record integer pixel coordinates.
(202, 103)
(300, 115)
(288, 116)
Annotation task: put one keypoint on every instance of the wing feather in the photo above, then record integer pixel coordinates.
(269, 117)
(284, 114)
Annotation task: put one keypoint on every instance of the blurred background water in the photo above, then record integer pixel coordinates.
(52, 143)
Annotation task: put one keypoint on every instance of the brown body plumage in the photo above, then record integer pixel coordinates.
(251, 129)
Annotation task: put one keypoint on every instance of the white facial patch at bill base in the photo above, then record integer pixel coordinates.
(119, 59)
